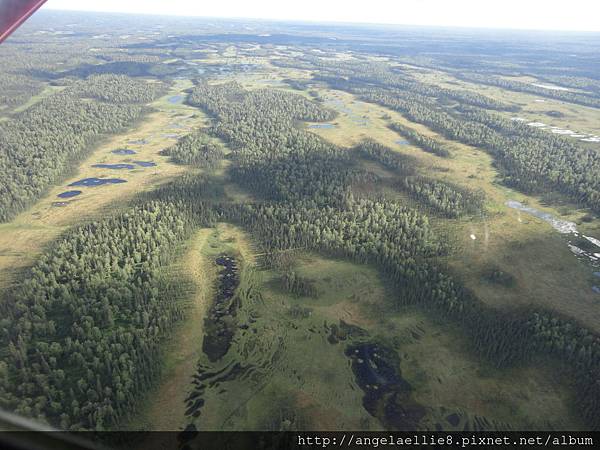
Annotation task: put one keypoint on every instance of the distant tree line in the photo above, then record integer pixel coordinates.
(585, 99)
(530, 160)
(118, 89)
(383, 75)
(16, 89)
(395, 161)
(83, 331)
(445, 198)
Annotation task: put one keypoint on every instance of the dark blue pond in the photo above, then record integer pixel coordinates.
(402, 142)
(120, 166)
(176, 99)
(145, 163)
(322, 125)
(69, 194)
(97, 181)
(124, 151)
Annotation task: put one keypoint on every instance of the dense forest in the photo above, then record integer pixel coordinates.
(394, 238)
(426, 143)
(591, 99)
(269, 150)
(398, 162)
(16, 89)
(445, 198)
(40, 145)
(117, 89)
(531, 160)
(82, 333)
(196, 149)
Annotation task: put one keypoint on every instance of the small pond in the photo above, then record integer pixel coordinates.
(321, 125)
(69, 194)
(124, 151)
(218, 338)
(89, 182)
(145, 163)
(120, 166)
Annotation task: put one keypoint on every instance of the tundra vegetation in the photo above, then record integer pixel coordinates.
(298, 255)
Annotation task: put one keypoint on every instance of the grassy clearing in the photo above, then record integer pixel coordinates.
(547, 273)
(534, 108)
(46, 92)
(450, 380)
(299, 380)
(22, 239)
(435, 358)
(182, 349)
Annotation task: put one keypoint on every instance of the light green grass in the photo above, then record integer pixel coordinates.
(46, 92)
(22, 239)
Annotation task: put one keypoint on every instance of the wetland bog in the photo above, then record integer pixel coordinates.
(309, 234)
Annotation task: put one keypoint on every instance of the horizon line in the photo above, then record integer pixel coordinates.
(328, 22)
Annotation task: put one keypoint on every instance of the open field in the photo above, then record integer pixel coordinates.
(547, 272)
(183, 348)
(450, 380)
(22, 239)
(301, 380)
(284, 280)
(578, 118)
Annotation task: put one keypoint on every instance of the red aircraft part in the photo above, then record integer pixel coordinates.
(14, 12)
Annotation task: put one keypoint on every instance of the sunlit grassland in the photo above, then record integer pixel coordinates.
(304, 381)
(183, 348)
(449, 379)
(435, 357)
(534, 108)
(22, 239)
(547, 273)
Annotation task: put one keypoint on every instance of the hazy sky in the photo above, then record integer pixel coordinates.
(580, 15)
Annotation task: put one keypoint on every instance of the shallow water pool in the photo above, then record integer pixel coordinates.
(69, 194)
(90, 182)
